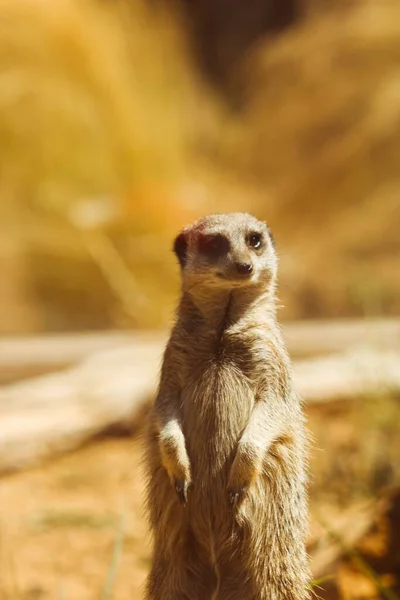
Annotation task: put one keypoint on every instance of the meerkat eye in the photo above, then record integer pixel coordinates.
(213, 246)
(254, 240)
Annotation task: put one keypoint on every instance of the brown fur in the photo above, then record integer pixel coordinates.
(225, 456)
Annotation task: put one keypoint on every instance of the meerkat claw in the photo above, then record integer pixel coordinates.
(236, 496)
(182, 488)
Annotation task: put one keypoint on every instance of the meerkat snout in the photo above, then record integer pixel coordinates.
(244, 268)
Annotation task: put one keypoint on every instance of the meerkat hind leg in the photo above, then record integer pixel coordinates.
(187, 575)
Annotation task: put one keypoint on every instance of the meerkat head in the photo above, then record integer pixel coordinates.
(228, 251)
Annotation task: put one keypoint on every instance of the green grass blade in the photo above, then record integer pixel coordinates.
(115, 558)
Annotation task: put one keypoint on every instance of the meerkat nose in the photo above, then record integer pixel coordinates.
(244, 268)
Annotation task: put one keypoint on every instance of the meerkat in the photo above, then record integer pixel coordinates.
(226, 444)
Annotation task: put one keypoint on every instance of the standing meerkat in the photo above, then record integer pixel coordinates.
(225, 444)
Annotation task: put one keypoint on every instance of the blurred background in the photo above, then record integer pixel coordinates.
(120, 122)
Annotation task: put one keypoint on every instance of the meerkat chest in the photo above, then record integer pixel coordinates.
(217, 392)
(222, 357)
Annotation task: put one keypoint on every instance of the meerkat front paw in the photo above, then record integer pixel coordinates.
(238, 487)
(244, 472)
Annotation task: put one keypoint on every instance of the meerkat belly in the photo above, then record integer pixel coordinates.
(216, 405)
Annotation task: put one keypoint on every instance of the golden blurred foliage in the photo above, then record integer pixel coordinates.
(96, 118)
(323, 135)
(89, 99)
(111, 140)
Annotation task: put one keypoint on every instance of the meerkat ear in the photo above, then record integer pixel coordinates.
(180, 248)
(271, 237)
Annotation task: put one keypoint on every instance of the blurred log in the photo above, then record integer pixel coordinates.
(56, 413)
(309, 338)
(356, 373)
(26, 357)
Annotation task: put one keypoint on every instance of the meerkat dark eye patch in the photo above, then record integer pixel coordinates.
(255, 240)
(213, 246)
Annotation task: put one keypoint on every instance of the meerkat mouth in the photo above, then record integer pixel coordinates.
(237, 280)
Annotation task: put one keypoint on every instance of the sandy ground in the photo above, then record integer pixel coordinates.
(60, 524)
